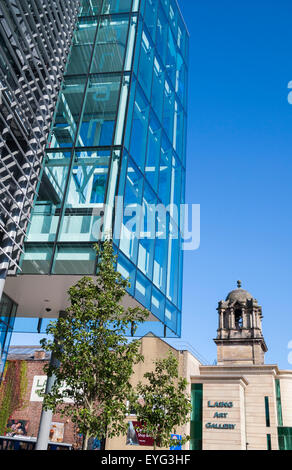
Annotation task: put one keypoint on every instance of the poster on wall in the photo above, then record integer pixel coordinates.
(16, 427)
(39, 387)
(135, 437)
(57, 432)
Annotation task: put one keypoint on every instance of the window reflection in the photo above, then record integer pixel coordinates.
(83, 212)
(82, 48)
(100, 109)
(110, 45)
(68, 112)
(90, 7)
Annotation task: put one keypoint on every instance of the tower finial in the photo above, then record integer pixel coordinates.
(239, 284)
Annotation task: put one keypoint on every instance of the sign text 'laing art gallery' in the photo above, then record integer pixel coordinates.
(220, 415)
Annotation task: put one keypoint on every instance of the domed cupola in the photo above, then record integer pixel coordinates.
(238, 295)
(239, 336)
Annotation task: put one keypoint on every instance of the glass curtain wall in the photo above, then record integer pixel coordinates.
(119, 130)
(7, 318)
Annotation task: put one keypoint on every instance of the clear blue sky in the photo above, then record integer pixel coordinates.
(239, 165)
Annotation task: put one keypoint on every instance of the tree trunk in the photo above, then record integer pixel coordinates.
(85, 441)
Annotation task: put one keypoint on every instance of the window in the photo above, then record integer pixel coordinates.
(238, 319)
(100, 109)
(197, 417)
(279, 404)
(267, 409)
(269, 442)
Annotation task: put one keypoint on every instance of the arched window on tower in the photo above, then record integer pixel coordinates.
(238, 319)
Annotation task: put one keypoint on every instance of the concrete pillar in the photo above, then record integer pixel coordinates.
(2, 284)
(221, 324)
(46, 416)
(46, 419)
(232, 319)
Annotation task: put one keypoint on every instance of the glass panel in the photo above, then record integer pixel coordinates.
(161, 34)
(165, 4)
(178, 134)
(165, 172)
(170, 316)
(139, 129)
(173, 13)
(181, 263)
(150, 16)
(153, 151)
(131, 44)
(83, 211)
(171, 57)
(75, 259)
(279, 404)
(181, 36)
(161, 248)
(90, 7)
(172, 265)
(47, 210)
(158, 88)
(146, 64)
(178, 324)
(157, 304)
(132, 213)
(147, 234)
(168, 110)
(120, 200)
(6, 307)
(121, 117)
(143, 290)
(127, 270)
(180, 86)
(285, 438)
(68, 112)
(130, 113)
(197, 417)
(110, 45)
(111, 192)
(37, 259)
(82, 48)
(116, 6)
(100, 110)
(175, 192)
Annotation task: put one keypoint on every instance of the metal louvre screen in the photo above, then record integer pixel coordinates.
(35, 40)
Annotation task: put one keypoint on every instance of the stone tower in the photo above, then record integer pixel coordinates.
(239, 336)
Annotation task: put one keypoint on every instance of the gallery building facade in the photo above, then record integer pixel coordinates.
(241, 403)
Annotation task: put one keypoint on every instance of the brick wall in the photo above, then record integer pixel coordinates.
(31, 411)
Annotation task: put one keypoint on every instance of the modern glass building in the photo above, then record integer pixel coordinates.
(8, 310)
(116, 152)
(35, 38)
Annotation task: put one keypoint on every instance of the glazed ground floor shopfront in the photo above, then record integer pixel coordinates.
(241, 408)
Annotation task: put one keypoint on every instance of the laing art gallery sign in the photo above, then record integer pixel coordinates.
(220, 415)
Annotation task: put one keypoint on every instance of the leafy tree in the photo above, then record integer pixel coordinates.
(161, 403)
(93, 360)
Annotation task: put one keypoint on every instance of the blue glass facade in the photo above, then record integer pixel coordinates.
(119, 131)
(7, 318)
